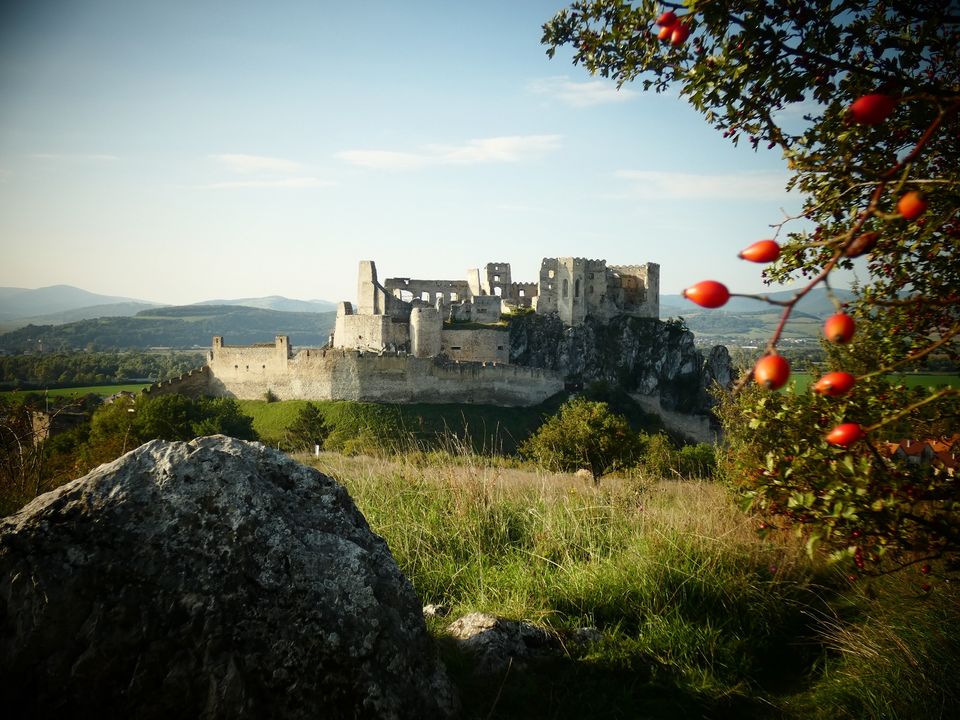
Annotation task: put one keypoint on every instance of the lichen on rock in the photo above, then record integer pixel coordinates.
(214, 578)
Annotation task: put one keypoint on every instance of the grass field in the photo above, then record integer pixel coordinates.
(697, 615)
(800, 381)
(102, 390)
(484, 428)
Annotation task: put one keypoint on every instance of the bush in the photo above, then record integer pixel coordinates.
(584, 434)
(308, 429)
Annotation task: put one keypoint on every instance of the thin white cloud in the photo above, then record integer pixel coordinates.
(693, 186)
(482, 151)
(581, 94)
(292, 182)
(250, 164)
(73, 156)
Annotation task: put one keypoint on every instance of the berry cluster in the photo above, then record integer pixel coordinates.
(773, 370)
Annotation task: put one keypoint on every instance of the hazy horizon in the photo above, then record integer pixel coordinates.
(188, 151)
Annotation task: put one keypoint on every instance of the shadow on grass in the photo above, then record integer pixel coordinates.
(584, 688)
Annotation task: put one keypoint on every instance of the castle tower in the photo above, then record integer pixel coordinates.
(368, 295)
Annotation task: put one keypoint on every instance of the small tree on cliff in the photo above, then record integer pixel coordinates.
(584, 434)
(877, 85)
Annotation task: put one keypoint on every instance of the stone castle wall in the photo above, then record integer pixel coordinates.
(486, 345)
(331, 374)
(195, 383)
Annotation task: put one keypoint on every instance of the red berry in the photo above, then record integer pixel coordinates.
(925, 569)
(680, 33)
(872, 109)
(708, 294)
(925, 587)
(762, 251)
(772, 371)
(839, 328)
(912, 205)
(665, 32)
(667, 19)
(845, 435)
(835, 384)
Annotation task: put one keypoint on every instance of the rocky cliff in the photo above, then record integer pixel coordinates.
(215, 579)
(641, 356)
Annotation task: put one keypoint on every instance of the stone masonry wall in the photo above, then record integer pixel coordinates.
(192, 384)
(349, 375)
(477, 345)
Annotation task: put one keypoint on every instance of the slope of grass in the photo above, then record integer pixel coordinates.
(364, 426)
(698, 616)
(693, 609)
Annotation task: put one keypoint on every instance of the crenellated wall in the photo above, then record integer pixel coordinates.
(195, 383)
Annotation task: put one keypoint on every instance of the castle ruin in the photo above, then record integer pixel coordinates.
(421, 317)
(439, 341)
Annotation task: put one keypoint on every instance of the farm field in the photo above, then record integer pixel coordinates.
(77, 392)
(800, 381)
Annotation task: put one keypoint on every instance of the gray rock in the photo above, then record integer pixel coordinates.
(497, 643)
(636, 355)
(214, 579)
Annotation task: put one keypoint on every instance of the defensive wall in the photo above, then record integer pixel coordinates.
(194, 384)
(336, 374)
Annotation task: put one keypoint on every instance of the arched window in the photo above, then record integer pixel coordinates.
(425, 296)
(576, 288)
(566, 287)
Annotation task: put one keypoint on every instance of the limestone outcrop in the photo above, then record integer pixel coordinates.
(215, 579)
(642, 356)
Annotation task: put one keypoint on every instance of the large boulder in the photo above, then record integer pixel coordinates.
(215, 579)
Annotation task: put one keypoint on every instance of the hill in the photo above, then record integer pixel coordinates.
(189, 326)
(61, 304)
(278, 302)
(747, 319)
(19, 303)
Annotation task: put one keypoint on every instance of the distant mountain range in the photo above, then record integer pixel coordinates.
(61, 304)
(817, 303)
(745, 320)
(66, 317)
(189, 326)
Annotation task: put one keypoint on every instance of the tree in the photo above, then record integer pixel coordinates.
(584, 434)
(876, 157)
(308, 429)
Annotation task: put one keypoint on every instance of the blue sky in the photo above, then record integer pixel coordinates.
(183, 151)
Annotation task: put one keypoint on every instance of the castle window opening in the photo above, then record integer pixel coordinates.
(455, 347)
(438, 296)
(498, 291)
(454, 297)
(576, 288)
(522, 292)
(550, 274)
(590, 290)
(566, 287)
(425, 296)
(496, 278)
